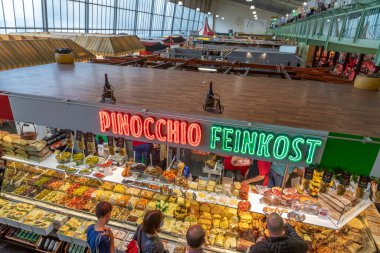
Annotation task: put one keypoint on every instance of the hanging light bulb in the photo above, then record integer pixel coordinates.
(217, 15)
(222, 18)
(209, 13)
(253, 12)
(180, 3)
(252, 7)
(304, 3)
(198, 9)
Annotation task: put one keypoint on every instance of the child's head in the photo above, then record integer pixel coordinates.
(103, 211)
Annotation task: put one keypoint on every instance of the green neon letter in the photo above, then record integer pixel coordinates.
(237, 140)
(263, 147)
(214, 138)
(314, 143)
(297, 156)
(282, 141)
(226, 141)
(249, 141)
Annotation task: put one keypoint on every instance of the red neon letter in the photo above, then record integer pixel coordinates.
(158, 129)
(194, 134)
(136, 126)
(105, 121)
(147, 122)
(114, 122)
(173, 131)
(183, 132)
(123, 123)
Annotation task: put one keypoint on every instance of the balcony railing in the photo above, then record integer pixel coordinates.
(354, 28)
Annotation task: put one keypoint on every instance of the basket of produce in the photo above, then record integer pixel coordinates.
(78, 158)
(30, 135)
(169, 176)
(180, 212)
(91, 161)
(71, 170)
(85, 171)
(63, 157)
(153, 171)
(138, 167)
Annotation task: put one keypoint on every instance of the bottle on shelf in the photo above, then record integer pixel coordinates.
(210, 93)
(51, 245)
(55, 247)
(46, 245)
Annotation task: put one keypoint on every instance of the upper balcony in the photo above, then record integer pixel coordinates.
(354, 28)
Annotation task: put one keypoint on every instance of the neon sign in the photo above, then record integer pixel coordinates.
(264, 144)
(163, 130)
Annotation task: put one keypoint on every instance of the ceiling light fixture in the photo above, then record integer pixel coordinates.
(304, 3)
(256, 18)
(253, 12)
(252, 7)
(209, 13)
(198, 9)
(217, 15)
(249, 0)
(222, 18)
(180, 3)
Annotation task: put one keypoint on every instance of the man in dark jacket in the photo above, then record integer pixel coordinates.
(283, 238)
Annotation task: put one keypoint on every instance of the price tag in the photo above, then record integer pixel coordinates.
(120, 142)
(363, 182)
(327, 176)
(346, 177)
(309, 172)
(79, 135)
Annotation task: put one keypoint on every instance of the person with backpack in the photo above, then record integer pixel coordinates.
(100, 237)
(146, 239)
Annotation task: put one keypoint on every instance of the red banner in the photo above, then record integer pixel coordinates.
(5, 108)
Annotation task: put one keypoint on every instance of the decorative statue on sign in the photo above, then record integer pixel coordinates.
(212, 102)
(107, 96)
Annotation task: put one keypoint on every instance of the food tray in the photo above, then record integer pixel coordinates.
(44, 231)
(26, 227)
(132, 222)
(12, 223)
(64, 237)
(79, 242)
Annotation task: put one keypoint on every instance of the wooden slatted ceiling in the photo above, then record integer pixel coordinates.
(302, 104)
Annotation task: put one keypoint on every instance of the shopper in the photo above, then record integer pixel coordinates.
(146, 234)
(100, 237)
(258, 173)
(195, 238)
(277, 172)
(283, 238)
(142, 151)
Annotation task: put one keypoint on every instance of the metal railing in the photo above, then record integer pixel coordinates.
(354, 28)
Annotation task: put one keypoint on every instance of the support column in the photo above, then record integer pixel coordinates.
(151, 18)
(136, 14)
(86, 16)
(44, 16)
(175, 8)
(114, 28)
